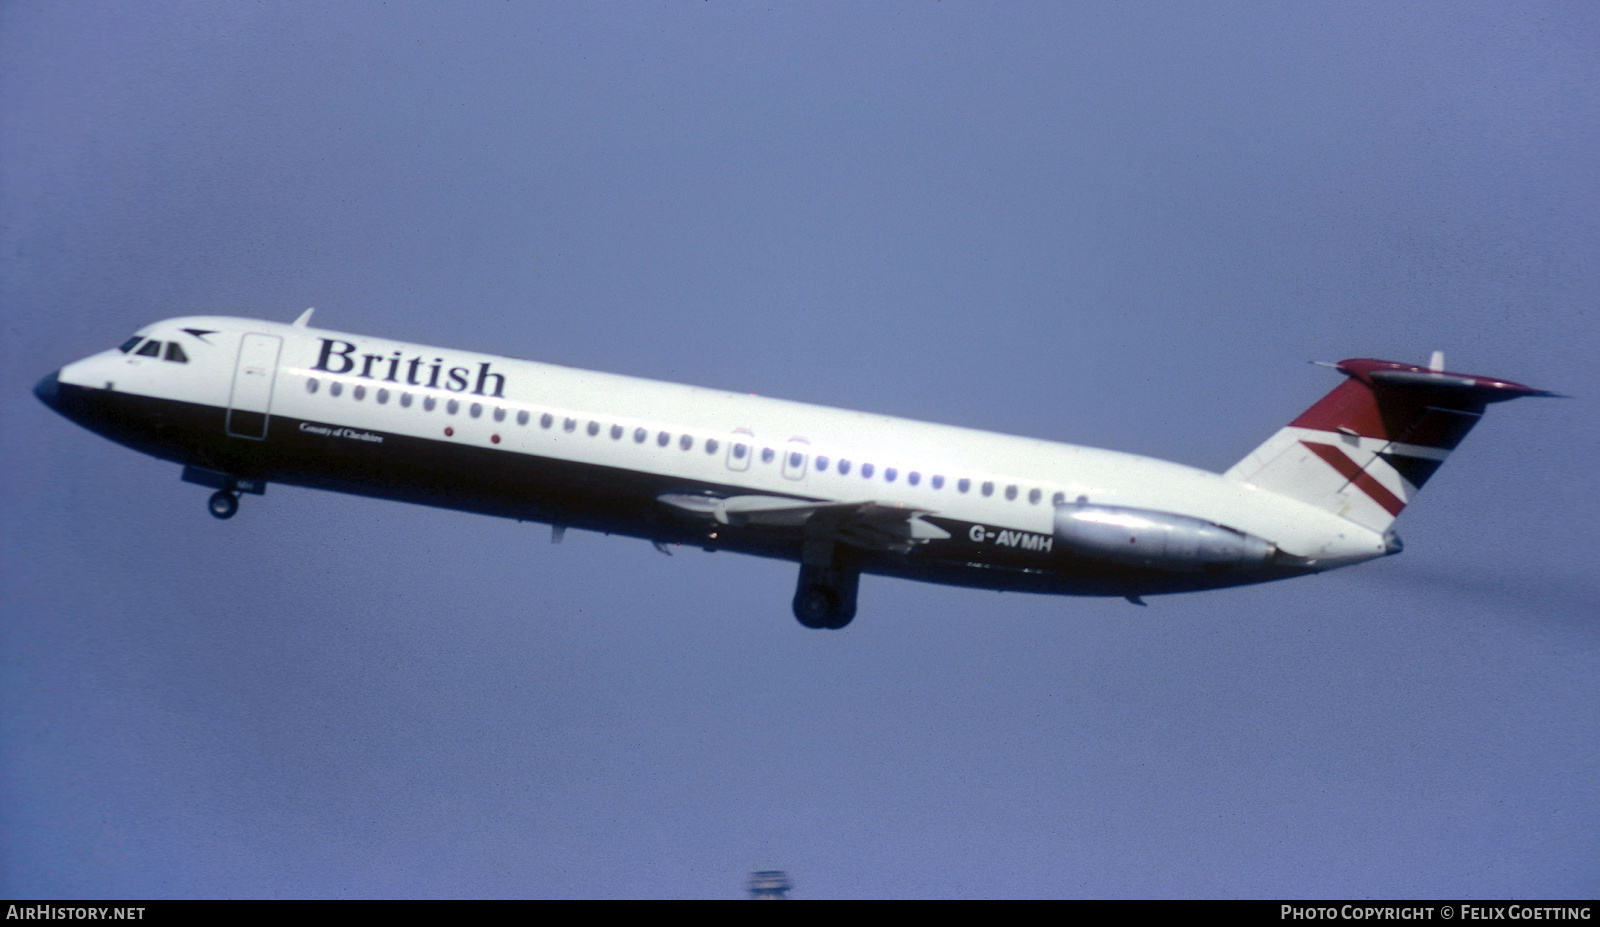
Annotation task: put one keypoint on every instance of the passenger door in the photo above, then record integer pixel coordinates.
(250, 403)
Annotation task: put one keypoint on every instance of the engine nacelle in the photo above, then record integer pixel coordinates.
(1162, 540)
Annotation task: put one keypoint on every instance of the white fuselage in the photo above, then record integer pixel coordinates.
(353, 394)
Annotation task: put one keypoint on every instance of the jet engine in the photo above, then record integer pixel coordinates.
(1162, 540)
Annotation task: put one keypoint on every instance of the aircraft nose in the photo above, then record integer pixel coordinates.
(49, 390)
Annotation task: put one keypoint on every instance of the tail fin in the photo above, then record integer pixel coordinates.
(1365, 449)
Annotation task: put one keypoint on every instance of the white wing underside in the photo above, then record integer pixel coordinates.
(867, 525)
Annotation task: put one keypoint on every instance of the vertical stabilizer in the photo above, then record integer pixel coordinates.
(1365, 449)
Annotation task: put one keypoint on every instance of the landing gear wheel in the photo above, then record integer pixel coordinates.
(814, 606)
(223, 504)
(825, 597)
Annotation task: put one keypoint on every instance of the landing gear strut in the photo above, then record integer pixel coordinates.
(223, 504)
(826, 596)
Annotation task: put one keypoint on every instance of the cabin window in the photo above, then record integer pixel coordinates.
(639, 434)
(686, 442)
(405, 400)
(796, 459)
(594, 429)
(453, 406)
(360, 392)
(913, 477)
(1059, 498)
(711, 445)
(499, 414)
(738, 452)
(311, 384)
(335, 388)
(476, 409)
(175, 353)
(1033, 496)
(616, 432)
(889, 473)
(844, 467)
(130, 344)
(767, 454)
(383, 397)
(522, 416)
(963, 484)
(663, 439)
(937, 482)
(569, 424)
(428, 403)
(866, 471)
(150, 349)
(546, 420)
(1011, 493)
(822, 463)
(988, 488)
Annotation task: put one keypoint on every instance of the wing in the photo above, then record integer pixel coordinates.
(868, 525)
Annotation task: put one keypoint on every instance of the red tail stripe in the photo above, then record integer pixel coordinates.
(1351, 405)
(1411, 417)
(1351, 471)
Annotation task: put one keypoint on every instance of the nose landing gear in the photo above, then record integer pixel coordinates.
(223, 504)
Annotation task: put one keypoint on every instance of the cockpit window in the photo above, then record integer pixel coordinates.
(151, 348)
(175, 353)
(130, 343)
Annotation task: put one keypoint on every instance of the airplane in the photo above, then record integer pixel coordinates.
(241, 403)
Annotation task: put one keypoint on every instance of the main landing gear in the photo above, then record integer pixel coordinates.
(826, 596)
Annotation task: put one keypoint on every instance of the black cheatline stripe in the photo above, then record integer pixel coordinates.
(497, 481)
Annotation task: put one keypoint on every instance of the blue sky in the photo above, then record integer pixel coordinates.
(1122, 225)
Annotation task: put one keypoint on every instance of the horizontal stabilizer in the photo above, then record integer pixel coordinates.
(1393, 373)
